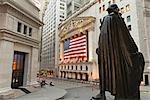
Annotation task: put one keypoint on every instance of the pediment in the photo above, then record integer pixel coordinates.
(75, 24)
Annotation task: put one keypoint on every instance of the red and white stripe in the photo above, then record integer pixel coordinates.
(77, 47)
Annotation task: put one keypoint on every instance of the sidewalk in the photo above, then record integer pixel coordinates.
(145, 88)
(46, 93)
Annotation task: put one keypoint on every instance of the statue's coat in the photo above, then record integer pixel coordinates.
(120, 64)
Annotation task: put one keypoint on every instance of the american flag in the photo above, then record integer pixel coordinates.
(75, 47)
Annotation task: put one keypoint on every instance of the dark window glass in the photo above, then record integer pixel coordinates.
(62, 4)
(103, 7)
(109, 2)
(113, 1)
(129, 27)
(25, 29)
(61, 16)
(81, 67)
(62, 8)
(86, 68)
(100, 9)
(68, 67)
(30, 31)
(128, 18)
(19, 27)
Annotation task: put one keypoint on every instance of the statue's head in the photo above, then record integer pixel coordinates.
(113, 8)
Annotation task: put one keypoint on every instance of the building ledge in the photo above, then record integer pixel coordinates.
(23, 11)
(18, 38)
(78, 63)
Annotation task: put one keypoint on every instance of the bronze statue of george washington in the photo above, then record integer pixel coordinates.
(121, 65)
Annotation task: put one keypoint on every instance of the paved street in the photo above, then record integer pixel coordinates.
(46, 93)
(73, 91)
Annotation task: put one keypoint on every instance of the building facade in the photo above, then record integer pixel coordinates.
(19, 43)
(74, 5)
(143, 14)
(54, 15)
(78, 42)
(136, 17)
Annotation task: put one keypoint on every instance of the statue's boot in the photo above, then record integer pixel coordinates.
(99, 97)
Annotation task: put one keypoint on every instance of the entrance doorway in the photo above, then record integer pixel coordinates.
(18, 69)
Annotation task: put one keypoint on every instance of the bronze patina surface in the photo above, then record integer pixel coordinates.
(121, 65)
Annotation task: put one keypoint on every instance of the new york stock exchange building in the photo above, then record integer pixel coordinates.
(78, 42)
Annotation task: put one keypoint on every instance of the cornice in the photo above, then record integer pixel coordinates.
(78, 63)
(18, 38)
(75, 26)
(30, 2)
(17, 7)
(73, 71)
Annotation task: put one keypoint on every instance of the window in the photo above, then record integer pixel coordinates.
(109, 2)
(76, 68)
(113, 1)
(76, 7)
(61, 20)
(103, 7)
(61, 16)
(100, 9)
(19, 27)
(128, 18)
(62, 4)
(62, 8)
(99, 1)
(122, 10)
(127, 8)
(25, 29)
(129, 27)
(86, 68)
(30, 31)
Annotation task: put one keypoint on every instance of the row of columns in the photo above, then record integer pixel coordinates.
(74, 75)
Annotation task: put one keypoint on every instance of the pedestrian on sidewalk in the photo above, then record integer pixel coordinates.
(43, 83)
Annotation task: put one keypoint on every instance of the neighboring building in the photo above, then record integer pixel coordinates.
(54, 15)
(143, 20)
(43, 8)
(136, 15)
(19, 43)
(74, 5)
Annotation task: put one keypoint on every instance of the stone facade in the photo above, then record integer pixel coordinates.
(143, 13)
(85, 22)
(18, 33)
